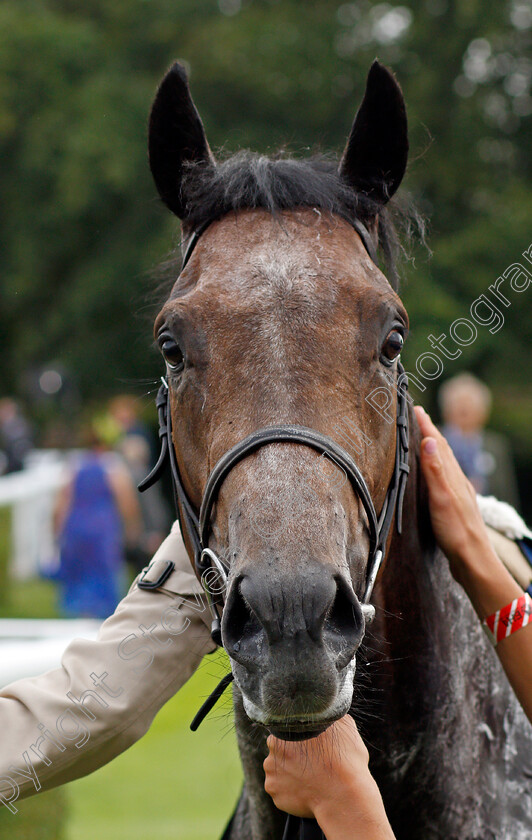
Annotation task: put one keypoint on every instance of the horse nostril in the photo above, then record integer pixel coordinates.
(344, 624)
(260, 614)
(240, 626)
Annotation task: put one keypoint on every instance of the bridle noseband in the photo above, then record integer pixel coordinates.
(196, 527)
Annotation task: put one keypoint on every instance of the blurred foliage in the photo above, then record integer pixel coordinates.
(81, 227)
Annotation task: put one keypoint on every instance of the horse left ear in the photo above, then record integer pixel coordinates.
(176, 137)
(376, 154)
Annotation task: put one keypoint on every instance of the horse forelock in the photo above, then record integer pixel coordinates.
(247, 180)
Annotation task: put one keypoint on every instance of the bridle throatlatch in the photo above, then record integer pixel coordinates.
(196, 527)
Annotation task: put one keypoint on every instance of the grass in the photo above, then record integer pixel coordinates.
(41, 817)
(5, 543)
(173, 784)
(32, 598)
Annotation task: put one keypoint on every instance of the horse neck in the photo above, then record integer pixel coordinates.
(413, 594)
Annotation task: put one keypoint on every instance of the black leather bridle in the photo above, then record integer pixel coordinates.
(196, 526)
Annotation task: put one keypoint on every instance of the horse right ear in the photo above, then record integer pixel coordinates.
(375, 158)
(176, 137)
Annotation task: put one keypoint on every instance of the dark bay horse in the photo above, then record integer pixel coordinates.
(281, 316)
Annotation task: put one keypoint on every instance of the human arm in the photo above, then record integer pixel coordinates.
(328, 778)
(143, 655)
(126, 500)
(62, 504)
(462, 535)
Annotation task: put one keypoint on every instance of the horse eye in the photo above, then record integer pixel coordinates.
(393, 345)
(172, 352)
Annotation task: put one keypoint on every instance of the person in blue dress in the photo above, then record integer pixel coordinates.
(97, 511)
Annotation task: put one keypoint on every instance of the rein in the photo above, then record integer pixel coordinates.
(197, 525)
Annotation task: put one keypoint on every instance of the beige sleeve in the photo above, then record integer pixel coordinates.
(70, 721)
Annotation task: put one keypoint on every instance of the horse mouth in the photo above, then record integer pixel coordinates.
(299, 730)
(293, 725)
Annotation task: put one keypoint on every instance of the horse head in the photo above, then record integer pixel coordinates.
(281, 317)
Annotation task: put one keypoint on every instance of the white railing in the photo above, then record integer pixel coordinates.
(29, 647)
(31, 496)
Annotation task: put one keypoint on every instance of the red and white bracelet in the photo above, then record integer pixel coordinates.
(509, 619)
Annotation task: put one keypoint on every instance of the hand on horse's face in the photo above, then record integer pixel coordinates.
(328, 778)
(456, 520)
(301, 774)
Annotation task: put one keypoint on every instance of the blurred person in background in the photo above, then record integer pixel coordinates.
(155, 517)
(16, 439)
(135, 445)
(484, 456)
(124, 412)
(96, 514)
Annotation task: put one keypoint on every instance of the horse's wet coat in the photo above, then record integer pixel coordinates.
(282, 318)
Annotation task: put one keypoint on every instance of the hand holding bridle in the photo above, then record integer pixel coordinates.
(328, 778)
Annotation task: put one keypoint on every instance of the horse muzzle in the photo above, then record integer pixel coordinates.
(292, 641)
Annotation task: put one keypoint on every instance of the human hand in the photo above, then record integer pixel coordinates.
(328, 778)
(456, 519)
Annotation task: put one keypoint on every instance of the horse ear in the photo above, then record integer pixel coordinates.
(375, 157)
(176, 136)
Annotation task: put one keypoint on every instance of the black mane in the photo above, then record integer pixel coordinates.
(250, 180)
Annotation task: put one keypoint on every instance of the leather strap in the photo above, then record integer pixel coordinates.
(197, 528)
(285, 434)
(356, 224)
(302, 828)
